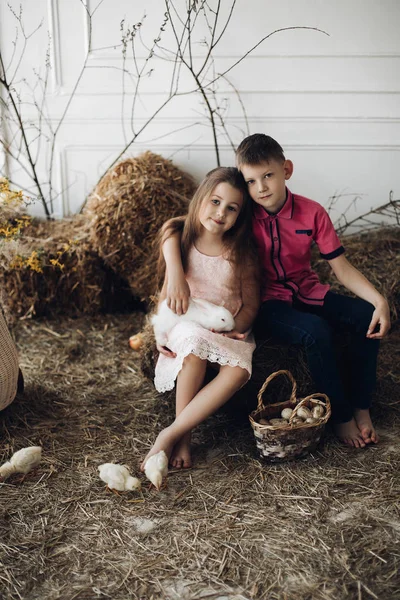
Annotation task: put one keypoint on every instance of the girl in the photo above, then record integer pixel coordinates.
(220, 266)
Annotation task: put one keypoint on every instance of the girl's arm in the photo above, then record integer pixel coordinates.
(177, 290)
(163, 293)
(354, 281)
(250, 290)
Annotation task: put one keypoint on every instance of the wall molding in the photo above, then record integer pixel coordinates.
(237, 120)
(100, 54)
(63, 170)
(67, 91)
(55, 47)
(210, 147)
(86, 25)
(104, 54)
(171, 150)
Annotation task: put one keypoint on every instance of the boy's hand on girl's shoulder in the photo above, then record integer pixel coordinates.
(381, 318)
(166, 351)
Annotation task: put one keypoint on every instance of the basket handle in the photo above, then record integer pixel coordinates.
(310, 397)
(288, 374)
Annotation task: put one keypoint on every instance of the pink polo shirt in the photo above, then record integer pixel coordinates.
(284, 246)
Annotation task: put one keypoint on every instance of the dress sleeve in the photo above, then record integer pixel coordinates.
(326, 237)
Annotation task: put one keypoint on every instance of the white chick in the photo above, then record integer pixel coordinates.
(117, 477)
(156, 468)
(22, 461)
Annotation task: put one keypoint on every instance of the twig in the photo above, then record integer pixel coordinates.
(5, 84)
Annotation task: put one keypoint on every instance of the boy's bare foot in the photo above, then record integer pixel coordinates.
(181, 456)
(364, 424)
(350, 434)
(165, 441)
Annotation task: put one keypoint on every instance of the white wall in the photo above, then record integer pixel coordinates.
(331, 101)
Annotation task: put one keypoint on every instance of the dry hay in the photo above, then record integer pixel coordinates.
(79, 284)
(127, 209)
(232, 527)
(148, 351)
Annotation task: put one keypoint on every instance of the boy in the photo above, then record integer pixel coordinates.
(296, 308)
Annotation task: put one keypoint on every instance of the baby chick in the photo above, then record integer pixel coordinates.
(156, 468)
(22, 461)
(117, 477)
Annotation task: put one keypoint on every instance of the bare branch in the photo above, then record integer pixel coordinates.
(390, 211)
(33, 174)
(213, 43)
(220, 75)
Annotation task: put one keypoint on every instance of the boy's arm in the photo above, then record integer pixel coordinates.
(177, 290)
(355, 281)
(251, 303)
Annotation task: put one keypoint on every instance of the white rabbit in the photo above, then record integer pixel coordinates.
(206, 314)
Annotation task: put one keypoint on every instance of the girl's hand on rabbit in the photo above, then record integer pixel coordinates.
(178, 294)
(166, 351)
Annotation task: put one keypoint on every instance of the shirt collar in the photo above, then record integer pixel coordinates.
(286, 211)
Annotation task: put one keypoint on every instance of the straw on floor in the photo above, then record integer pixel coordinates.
(232, 527)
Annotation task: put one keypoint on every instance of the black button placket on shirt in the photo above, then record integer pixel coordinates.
(275, 249)
(276, 245)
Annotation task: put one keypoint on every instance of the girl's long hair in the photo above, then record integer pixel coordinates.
(238, 240)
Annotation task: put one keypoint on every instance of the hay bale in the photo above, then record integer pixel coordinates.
(127, 209)
(74, 284)
(148, 352)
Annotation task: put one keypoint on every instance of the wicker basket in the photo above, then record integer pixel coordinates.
(9, 369)
(285, 442)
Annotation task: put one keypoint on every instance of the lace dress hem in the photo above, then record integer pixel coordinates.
(164, 380)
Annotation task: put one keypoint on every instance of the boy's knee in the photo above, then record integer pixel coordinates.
(317, 331)
(363, 314)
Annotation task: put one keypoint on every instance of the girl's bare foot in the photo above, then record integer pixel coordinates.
(181, 456)
(364, 424)
(165, 441)
(350, 434)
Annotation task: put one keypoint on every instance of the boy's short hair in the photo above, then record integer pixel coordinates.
(258, 148)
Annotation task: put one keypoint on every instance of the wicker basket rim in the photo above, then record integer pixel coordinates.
(295, 403)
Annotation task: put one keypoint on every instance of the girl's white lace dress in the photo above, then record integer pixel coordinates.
(211, 278)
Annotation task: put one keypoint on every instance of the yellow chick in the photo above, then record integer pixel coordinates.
(22, 461)
(117, 477)
(156, 468)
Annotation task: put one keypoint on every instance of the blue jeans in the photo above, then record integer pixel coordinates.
(312, 327)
